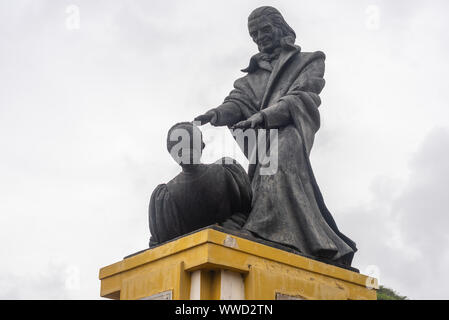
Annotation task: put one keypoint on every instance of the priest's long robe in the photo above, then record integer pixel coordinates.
(287, 206)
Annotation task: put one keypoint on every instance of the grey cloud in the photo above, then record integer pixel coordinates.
(50, 283)
(404, 229)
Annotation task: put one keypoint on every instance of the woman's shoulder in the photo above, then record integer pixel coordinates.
(230, 164)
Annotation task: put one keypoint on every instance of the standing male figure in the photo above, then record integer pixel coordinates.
(281, 91)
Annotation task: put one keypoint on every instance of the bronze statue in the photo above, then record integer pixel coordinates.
(199, 196)
(281, 91)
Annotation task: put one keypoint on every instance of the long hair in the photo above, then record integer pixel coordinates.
(276, 18)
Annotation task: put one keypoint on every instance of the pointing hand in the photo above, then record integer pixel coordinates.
(252, 122)
(209, 116)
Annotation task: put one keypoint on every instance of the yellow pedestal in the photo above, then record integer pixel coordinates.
(214, 265)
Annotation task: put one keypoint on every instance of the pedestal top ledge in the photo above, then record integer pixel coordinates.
(213, 249)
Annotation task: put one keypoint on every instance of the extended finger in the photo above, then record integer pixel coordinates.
(242, 125)
(203, 119)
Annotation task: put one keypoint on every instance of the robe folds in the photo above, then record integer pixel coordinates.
(287, 206)
(212, 193)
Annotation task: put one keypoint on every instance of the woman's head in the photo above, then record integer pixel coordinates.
(185, 143)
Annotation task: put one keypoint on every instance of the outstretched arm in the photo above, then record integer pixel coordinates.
(237, 106)
(225, 115)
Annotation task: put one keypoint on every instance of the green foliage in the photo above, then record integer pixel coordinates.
(388, 294)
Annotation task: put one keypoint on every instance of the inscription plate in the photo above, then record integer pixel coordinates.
(166, 295)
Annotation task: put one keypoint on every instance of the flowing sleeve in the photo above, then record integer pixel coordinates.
(239, 187)
(228, 114)
(164, 219)
(238, 105)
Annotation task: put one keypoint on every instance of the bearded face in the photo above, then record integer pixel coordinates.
(265, 34)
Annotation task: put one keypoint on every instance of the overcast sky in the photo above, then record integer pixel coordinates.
(85, 105)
